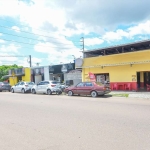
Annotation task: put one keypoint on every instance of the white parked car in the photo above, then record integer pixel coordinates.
(45, 87)
(22, 87)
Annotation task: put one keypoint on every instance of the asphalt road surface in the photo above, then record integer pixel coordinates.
(42, 122)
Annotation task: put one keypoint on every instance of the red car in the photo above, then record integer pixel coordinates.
(88, 88)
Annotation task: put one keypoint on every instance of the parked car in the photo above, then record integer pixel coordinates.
(5, 86)
(45, 87)
(58, 89)
(88, 88)
(22, 87)
(63, 86)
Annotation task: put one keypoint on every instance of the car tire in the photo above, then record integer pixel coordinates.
(22, 91)
(70, 93)
(94, 94)
(33, 91)
(12, 90)
(49, 92)
(0, 90)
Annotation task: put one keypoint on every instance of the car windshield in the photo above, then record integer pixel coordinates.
(55, 82)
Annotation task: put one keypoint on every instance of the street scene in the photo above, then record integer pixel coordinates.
(59, 122)
(74, 75)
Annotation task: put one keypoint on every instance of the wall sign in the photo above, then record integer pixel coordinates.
(64, 68)
(78, 62)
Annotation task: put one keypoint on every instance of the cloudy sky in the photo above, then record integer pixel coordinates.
(51, 31)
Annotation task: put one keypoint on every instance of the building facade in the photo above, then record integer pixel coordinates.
(20, 74)
(126, 67)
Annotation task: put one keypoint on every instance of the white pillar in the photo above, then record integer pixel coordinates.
(46, 73)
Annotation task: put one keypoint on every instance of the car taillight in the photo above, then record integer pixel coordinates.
(53, 85)
(104, 88)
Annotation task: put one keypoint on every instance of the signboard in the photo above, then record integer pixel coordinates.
(78, 62)
(64, 68)
(92, 77)
(74, 74)
(133, 77)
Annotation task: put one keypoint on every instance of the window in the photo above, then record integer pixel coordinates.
(21, 83)
(55, 82)
(80, 85)
(88, 84)
(45, 82)
(40, 83)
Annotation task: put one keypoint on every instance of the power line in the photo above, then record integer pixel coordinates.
(32, 28)
(30, 38)
(31, 33)
(14, 56)
(34, 44)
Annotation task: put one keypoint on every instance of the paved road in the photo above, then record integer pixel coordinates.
(42, 122)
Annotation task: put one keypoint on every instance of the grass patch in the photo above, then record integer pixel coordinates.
(120, 95)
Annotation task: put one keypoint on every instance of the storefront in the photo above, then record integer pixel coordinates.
(20, 74)
(126, 67)
(37, 74)
(59, 72)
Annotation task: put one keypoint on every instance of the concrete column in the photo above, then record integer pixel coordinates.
(46, 73)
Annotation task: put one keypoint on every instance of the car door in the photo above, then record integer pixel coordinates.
(88, 88)
(39, 88)
(45, 86)
(79, 88)
(20, 86)
(16, 87)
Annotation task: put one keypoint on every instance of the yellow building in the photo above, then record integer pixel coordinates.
(126, 67)
(20, 74)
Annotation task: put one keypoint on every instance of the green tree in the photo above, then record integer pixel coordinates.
(4, 70)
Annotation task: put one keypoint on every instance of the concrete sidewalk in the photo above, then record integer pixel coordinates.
(143, 94)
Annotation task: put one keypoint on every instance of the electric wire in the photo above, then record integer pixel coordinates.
(31, 33)
(32, 28)
(36, 45)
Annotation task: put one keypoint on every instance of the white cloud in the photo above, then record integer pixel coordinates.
(131, 32)
(9, 48)
(141, 28)
(57, 55)
(93, 41)
(6, 59)
(2, 41)
(17, 29)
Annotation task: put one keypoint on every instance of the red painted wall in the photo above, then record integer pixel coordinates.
(124, 85)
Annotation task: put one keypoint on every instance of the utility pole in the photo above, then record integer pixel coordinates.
(30, 61)
(82, 45)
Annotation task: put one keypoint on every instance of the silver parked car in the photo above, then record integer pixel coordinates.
(22, 87)
(45, 87)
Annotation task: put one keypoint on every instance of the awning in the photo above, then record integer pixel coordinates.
(7, 76)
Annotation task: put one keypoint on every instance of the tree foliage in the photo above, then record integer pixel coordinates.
(4, 70)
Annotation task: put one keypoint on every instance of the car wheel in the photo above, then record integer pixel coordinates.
(0, 90)
(33, 91)
(12, 90)
(94, 94)
(70, 93)
(23, 91)
(49, 92)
